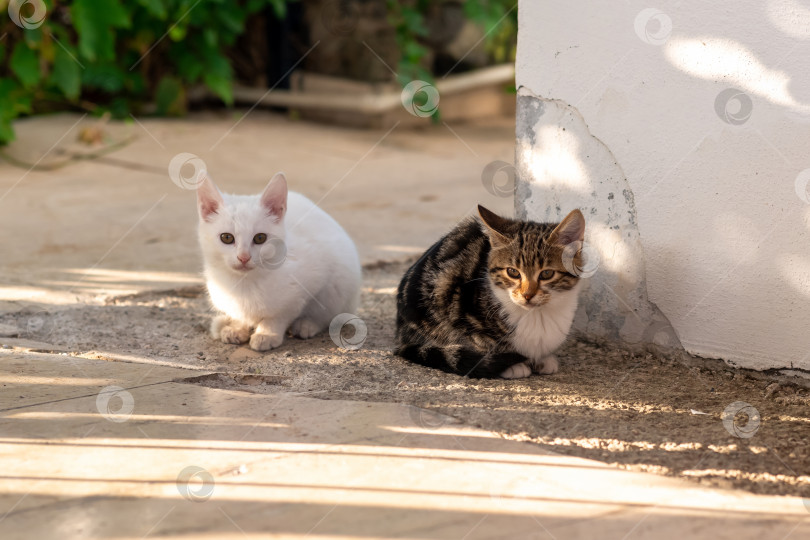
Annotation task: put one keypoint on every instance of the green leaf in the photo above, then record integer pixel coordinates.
(231, 20)
(178, 32)
(210, 36)
(6, 131)
(25, 65)
(279, 8)
(95, 21)
(221, 86)
(106, 77)
(218, 76)
(119, 107)
(66, 73)
(156, 8)
(8, 87)
(33, 36)
(9, 108)
(185, 64)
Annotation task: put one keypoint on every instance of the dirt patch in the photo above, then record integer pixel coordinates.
(636, 411)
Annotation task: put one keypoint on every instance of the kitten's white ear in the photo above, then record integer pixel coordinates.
(209, 199)
(274, 197)
(571, 229)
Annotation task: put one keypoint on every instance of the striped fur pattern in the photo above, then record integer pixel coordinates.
(493, 298)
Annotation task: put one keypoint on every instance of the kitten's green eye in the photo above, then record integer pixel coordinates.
(547, 274)
(226, 237)
(513, 273)
(260, 238)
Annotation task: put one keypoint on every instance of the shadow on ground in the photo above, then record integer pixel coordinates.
(641, 412)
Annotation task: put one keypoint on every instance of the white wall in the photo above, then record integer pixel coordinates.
(695, 194)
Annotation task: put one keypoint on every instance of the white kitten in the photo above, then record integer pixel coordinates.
(274, 262)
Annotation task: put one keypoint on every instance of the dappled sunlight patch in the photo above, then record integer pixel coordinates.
(723, 448)
(616, 445)
(37, 294)
(386, 291)
(441, 430)
(613, 251)
(110, 281)
(105, 275)
(803, 480)
(230, 421)
(400, 249)
(790, 16)
(20, 378)
(558, 163)
(714, 59)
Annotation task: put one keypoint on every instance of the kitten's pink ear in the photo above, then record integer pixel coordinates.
(274, 197)
(497, 226)
(209, 199)
(571, 229)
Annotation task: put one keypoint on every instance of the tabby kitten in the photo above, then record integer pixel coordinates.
(491, 298)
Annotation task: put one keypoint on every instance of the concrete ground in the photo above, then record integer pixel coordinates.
(120, 418)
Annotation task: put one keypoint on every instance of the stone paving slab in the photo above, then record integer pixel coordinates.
(172, 459)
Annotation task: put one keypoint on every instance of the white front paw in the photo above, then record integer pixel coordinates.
(546, 366)
(234, 334)
(304, 328)
(517, 371)
(265, 342)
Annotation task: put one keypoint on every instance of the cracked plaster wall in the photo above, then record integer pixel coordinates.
(562, 166)
(702, 237)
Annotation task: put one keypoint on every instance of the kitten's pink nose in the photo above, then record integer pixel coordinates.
(528, 295)
(243, 258)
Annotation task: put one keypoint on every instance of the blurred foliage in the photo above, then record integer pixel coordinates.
(497, 18)
(117, 55)
(141, 56)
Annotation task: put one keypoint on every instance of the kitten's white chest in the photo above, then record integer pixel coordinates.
(539, 332)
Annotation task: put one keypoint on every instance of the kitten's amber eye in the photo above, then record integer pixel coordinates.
(513, 273)
(226, 237)
(260, 238)
(547, 274)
